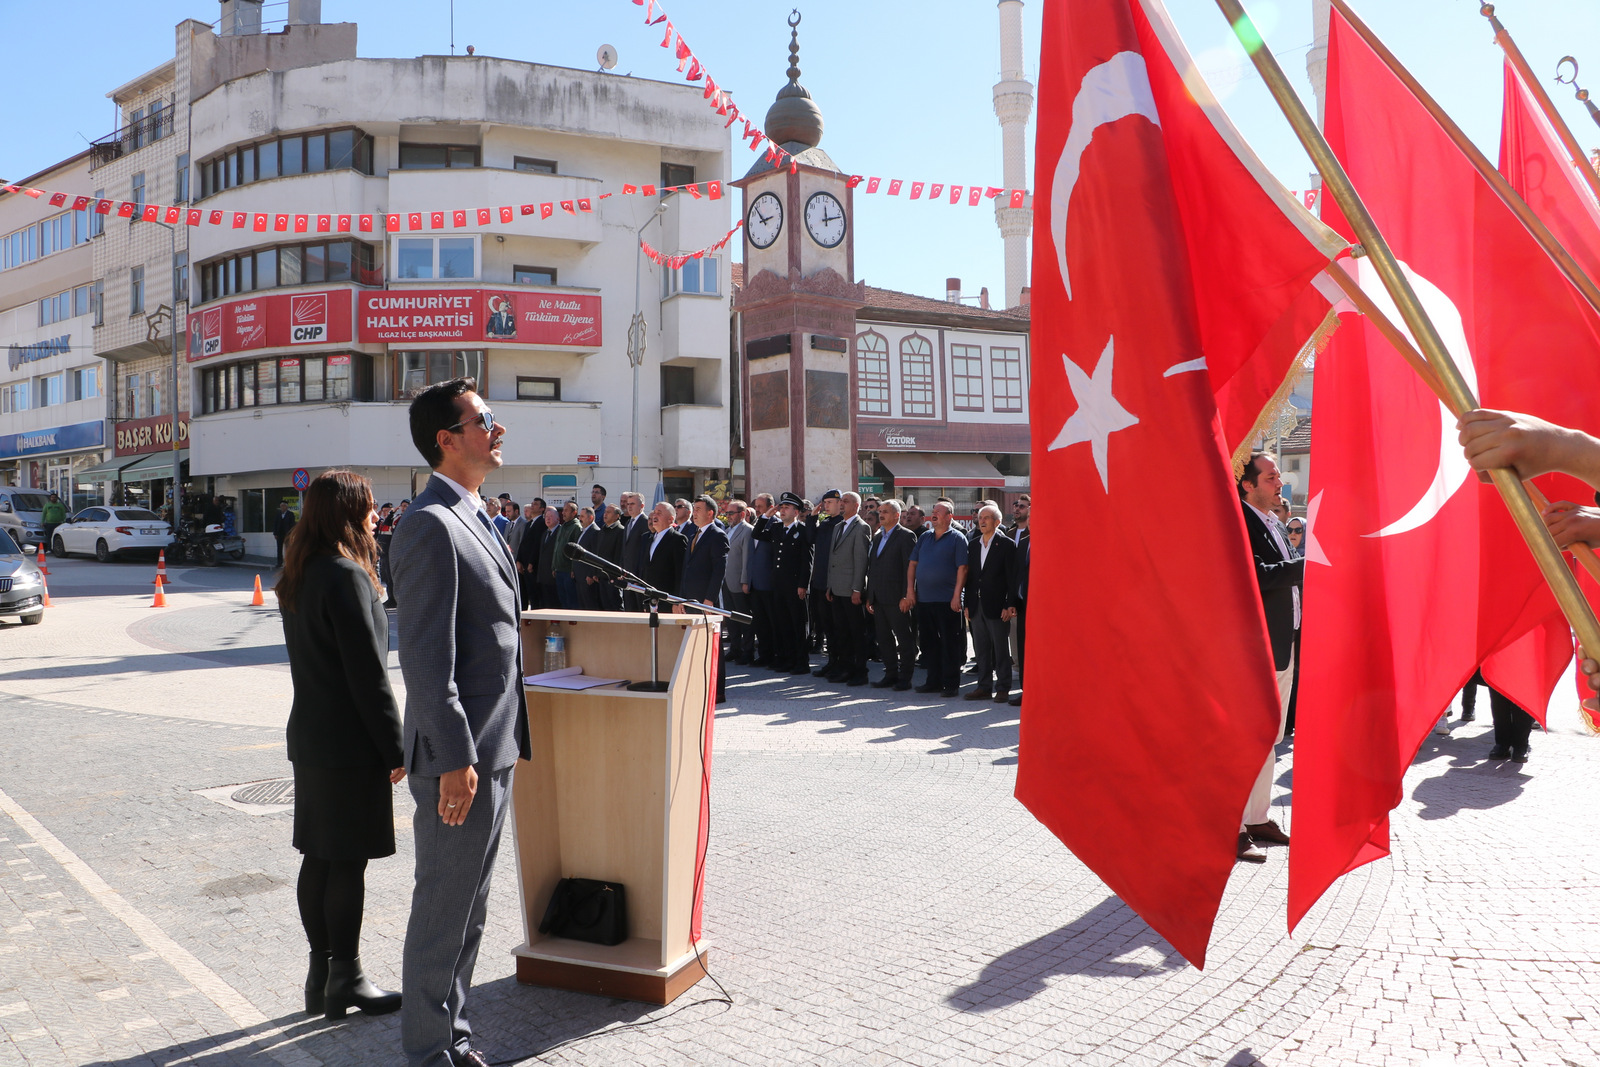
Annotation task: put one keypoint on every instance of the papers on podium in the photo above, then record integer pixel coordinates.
(569, 678)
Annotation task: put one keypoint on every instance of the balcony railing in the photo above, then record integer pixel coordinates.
(131, 138)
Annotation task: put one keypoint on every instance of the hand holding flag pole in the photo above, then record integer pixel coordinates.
(1458, 396)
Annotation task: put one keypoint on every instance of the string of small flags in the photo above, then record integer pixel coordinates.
(677, 261)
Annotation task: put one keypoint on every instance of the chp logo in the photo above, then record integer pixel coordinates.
(211, 332)
(308, 319)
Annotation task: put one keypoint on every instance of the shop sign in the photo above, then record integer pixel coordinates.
(138, 437)
(478, 317)
(17, 355)
(894, 437)
(73, 438)
(270, 322)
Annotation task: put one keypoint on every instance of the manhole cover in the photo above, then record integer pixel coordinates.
(277, 791)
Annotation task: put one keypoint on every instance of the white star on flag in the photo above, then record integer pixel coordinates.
(1314, 553)
(1099, 414)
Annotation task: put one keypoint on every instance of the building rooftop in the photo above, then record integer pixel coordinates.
(893, 304)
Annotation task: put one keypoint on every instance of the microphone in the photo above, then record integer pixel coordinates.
(578, 553)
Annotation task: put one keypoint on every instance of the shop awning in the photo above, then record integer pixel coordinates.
(107, 471)
(153, 468)
(954, 470)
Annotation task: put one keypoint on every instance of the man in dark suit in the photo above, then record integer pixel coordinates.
(527, 553)
(636, 536)
(758, 583)
(612, 536)
(887, 558)
(704, 568)
(545, 569)
(466, 722)
(281, 527)
(1279, 575)
(991, 604)
(845, 595)
(586, 577)
(791, 576)
(821, 523)
(664, 552)
(1024, 560)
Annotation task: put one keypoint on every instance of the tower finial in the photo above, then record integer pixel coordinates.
(794, 46)
(794, 117)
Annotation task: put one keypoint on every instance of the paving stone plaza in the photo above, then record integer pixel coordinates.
(874, 893)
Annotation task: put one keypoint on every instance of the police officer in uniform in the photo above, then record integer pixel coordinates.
(791, 579)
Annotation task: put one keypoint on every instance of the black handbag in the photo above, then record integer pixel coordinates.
(584, 909)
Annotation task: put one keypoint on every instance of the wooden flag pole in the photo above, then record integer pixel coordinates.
(1337, 184)
(1402, 344)
(1513, 53)
(1497, 181)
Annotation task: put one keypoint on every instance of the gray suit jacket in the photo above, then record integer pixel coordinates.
(738, 573)
(460, 638)
(847, 560)
(515, 534)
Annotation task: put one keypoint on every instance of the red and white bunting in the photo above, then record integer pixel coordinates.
(678, 260)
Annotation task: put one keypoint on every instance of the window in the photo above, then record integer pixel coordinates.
(872, 374)
(342, 149)
(291, 155)
(437, 156)
(538, 388)
(1006, 366)
(418, 370)
(85, 383)
(97, 303)
(136, 291)
(338, 378)
(267, 381)
(180, 277)
(436, 257)
(268, 268)
(533, 275)
(677, 386)
(267, 160)
(916, 375)
(182, 194)
(154, 391)
(343, 376)
(676, 174)
(966, 373)
(534, 166)
(138, 194)
(14, 397)
(97, 221)
(131, 398)
(289, 381)
(136, 128)
(64, 305)
(51, 389)
(155, 124)
(695, 276)
(82, 299)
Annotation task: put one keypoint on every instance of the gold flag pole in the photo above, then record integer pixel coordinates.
(1496, 180)
(1337, 184)
(1577, 90)
(1503, 38)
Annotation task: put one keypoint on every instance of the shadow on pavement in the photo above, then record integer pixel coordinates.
(1471, 787)
(1097, 944)
(164, 662)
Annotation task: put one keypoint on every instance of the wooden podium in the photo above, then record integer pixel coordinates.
(616, 790)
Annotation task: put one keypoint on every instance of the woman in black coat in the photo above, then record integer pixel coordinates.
(344, 732)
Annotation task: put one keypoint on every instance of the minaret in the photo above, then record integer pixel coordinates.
(1013, 103)
(1317, 58)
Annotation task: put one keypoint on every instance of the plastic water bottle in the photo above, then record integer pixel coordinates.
(555, 653)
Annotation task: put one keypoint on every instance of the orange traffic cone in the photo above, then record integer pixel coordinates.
(161, 568)
(161, 597)
(43, 569)
(46, 582)
(257, 600)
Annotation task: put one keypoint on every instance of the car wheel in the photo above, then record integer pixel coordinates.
(102, 551)
(59, 548)
(33, 620)
(237, 554)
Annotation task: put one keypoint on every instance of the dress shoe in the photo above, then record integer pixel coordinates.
(1520, 754)
(1016, 700)
(348, 988)
(824, 670)
(390, 603)
(980, 694)
(1469, 716)
(1267, 833)
(471, 1058)
(836, 676)
(1247, 850)
(902, 687)
(1500, 752)
(1001, 696)
(929, 687)
(950, 694)
(316, 982)
(883, 683)
(856, 679)
(800, 668)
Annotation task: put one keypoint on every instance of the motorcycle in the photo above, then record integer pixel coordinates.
(205, 544)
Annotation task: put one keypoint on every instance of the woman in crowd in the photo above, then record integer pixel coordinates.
(344, 732)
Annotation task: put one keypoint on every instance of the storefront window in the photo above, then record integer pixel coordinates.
(313, 378)
(267, 381)
(289, 381)
(418, 370)
(338, 377)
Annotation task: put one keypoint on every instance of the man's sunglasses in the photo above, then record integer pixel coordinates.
(482, 418)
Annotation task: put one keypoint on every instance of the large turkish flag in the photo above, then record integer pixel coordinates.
(1167, 264)
(1419, 574)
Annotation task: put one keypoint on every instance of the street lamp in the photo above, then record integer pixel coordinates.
(636, 337)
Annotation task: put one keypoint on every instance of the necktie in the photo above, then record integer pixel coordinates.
(695, 539)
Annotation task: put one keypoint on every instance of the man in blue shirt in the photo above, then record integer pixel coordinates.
(934, 580)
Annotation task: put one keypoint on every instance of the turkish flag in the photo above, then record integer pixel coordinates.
(302, 223)
(569, 207)
(507, 214)
(343, 223)
(280, 223)
(1537, 165)
(1418, 575)
(194, 216)
(458, 218)
(485, 216)
(1136, 313)
(324, 223)
(546, 210)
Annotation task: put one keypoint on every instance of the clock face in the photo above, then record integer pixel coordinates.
(825, 219)
(765, 220)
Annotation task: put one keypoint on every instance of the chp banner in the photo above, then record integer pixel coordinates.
(269, 322)
(479, 316)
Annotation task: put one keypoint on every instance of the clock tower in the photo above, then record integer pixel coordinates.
(798, 305)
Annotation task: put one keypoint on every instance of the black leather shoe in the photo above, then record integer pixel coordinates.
(855, 680)
(1520, 754)
(1267, 833)
(1247, 850)
(902, 687)
(824, 670)
(980, 694)
(949, 694)
(929, 687)
(1016, 700)
(1469, 716)
(1500, 752)
(348, 988)
(316, 982)
(885, 682)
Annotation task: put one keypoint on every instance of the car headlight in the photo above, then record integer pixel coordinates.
(26, 579)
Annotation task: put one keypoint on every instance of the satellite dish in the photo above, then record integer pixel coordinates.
(606, 57)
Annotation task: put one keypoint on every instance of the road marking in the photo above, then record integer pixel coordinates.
(232, 1003)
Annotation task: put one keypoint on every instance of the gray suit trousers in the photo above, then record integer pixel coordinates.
(448, 903)
(991, 644)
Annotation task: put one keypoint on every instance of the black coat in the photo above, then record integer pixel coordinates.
(281, 526)
(590, 539)
(791, 553)
(886, 570)
(635, 544)
(705, 566)
(1277, 576)
(664, 569)
(611, 542)
(992, 587)
(532, 541)
(344, 713)
(821, 531)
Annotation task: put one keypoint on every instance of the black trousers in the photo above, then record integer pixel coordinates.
(610, 596)
(588, 595)
(529, 590)
(847, 644)
(763, 609)
(943, 643)
(789, 626)
(740, 638)
(821, 620)
(896, 640)
(1022, 636)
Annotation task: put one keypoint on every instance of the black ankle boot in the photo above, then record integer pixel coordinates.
(316, 982)
(348, 988)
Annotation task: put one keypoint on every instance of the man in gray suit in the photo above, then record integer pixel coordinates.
(466, 722)
(741, 639)
(847, 575)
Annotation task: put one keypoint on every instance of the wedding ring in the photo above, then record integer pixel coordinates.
(449, 805)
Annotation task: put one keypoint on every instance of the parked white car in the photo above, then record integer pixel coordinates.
(21, 585)
(105, 532)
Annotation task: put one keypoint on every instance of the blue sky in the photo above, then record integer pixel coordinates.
(905, 88)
